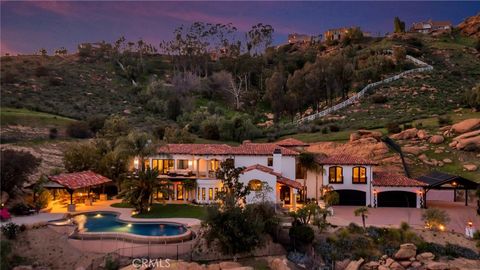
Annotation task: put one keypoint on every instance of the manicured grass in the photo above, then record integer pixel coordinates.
(13, 116)
(170, 211)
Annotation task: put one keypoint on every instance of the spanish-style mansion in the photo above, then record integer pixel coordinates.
(277, 165)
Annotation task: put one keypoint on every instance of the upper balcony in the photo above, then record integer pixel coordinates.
(185, 168)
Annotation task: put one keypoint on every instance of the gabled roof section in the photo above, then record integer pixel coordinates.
(437, 179)
(386, 179)
(194, 149)
(280, 178)
(291, 142)
(249, 149)
(261, 149)
(343, 159)
(78, 180)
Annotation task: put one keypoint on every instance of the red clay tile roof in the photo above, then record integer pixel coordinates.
(194, 149)
(343, 159)
(291, 142)
(223, 149)
(261, 149)
(78, 180)
(280, 178)
(387, 179)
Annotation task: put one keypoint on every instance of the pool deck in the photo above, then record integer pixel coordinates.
(125, 214)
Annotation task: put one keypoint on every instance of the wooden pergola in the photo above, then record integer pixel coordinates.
(444, 181)
(77, 180)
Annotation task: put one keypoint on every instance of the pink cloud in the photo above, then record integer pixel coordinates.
(61, 8)
(5, 48)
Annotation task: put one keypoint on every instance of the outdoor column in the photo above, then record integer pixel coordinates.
(198, 168)
(466, 197)
(294, 201)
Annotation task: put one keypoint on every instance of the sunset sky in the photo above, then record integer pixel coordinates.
(28, 26)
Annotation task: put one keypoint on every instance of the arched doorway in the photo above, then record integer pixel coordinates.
(397, 199)
(352, 197)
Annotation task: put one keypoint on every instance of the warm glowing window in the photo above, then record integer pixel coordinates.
(182, 164)
(335, 174)
(214, 164)
(198, 193)
(179, 192)
(203, 194)
(359, 175)
(163, 165)
(210, 194)
(147, 164)
(255, 184)
(216, 193)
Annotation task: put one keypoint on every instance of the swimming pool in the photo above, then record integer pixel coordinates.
(106, 222)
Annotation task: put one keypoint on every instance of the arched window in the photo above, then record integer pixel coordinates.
(335, 175)
(359, 175)
(255, 185)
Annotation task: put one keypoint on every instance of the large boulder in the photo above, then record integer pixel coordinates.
(422, 134)
(469, 141)
(425, 256)
(470, 167)
(406, 134)
(279, 264)
(437, 266)
(436, 139)
(466, 125)
(414, 150)
(362, 133)
(406, 252)
(355, 265)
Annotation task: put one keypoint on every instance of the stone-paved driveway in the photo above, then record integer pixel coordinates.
(392, 216)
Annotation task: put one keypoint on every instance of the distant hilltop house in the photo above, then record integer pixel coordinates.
(335, 33)
(431, 26)
(296, 38)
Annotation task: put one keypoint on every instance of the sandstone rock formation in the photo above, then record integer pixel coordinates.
(406, 134)
(469, 141)
(466, 125)
(471, 26)
(436, 139)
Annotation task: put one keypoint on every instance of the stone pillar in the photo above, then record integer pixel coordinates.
(293, 194)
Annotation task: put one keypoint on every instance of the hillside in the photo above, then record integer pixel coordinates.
(71, 88)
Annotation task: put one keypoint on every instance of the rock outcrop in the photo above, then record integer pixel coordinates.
(406, 252)
(471, 26)
(360, 134)
(469, 141)
(406, 134)
(466, 125)
(436, 139)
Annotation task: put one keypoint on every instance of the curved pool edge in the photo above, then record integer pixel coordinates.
(76, 234)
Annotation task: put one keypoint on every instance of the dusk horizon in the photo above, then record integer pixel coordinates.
(28, 26)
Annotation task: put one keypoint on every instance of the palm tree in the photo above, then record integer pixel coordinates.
(136, 144)
(362, 211)
(307, 161)
(139, 189)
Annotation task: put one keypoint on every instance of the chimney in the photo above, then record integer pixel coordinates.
(277, 160)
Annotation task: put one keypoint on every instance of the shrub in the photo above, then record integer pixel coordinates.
(41, 71)
(111, 263)
(324, 130)
(10, 230)
(393, 128)
(301, 234)
(379, 99)
(334, 128)
(79, 130)
(16, 167)
(43, 200)
(444, 120)
(435, 218)
(210, 130)
(472, 97)
(449, 250)
(53, 133)
(20, 209)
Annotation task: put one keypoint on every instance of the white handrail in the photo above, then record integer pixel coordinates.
(424, 67)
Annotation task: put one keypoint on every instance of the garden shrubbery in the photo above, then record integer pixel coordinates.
(79, 130)
(393, 128)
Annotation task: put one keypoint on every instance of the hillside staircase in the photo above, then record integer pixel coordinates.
(422, 67)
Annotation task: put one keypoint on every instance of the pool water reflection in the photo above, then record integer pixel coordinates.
(108, 222)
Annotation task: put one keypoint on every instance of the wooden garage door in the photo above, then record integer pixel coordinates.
(352, 197)
(396, 199)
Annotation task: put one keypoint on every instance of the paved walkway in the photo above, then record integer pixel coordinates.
(392, 216)
(59, 211)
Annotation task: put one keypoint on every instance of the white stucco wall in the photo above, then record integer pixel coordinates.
(348, 181)
(311, 183)
(264, 177)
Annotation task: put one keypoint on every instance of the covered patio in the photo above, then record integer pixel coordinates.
(443, 181)
(79, 186)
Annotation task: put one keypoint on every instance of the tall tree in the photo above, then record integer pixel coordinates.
(234, 192)
(16, 166)
(136, 145)
(398, 25)
(275, 93)
(139, 189)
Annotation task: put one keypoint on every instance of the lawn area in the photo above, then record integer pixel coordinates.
(13, 116)
(170, 211)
